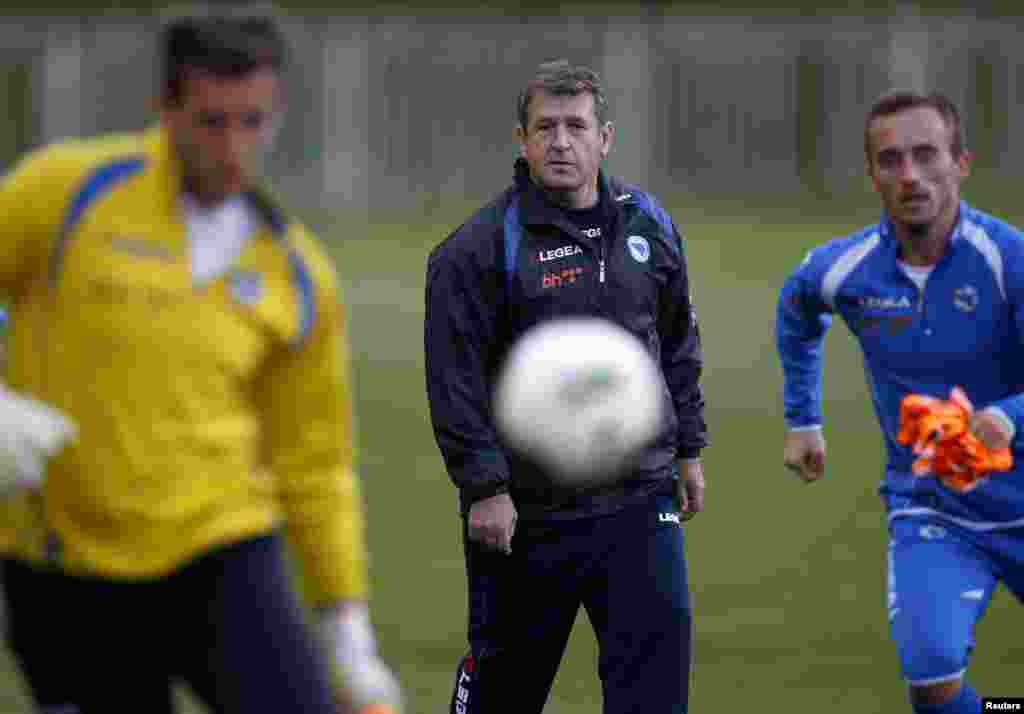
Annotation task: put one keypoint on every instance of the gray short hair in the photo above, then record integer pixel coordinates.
(559, 78)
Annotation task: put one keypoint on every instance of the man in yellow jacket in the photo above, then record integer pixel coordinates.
(176, 392)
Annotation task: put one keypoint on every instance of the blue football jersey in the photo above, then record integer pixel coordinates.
(963, 328)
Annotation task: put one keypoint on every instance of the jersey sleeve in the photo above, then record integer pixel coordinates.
(309, 441)
(802, 320)
(33, 198)
(1012, 407)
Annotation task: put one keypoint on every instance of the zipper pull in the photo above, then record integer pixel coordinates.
(600, 271)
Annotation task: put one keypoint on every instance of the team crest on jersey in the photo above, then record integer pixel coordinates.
(246, 286)
(639, 248)
(966, 298)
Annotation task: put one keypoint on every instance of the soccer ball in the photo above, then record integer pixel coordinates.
(579, 397)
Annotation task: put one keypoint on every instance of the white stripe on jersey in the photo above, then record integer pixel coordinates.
(842, 268)
(983, 242)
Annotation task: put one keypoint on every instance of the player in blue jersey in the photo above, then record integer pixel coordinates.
(934, 294)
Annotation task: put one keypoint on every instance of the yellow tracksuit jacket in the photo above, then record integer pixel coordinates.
(206, 413)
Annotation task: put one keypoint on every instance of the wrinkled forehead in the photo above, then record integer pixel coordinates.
(560, 107)
(920, 126)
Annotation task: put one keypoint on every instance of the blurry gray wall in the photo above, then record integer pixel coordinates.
(395, 114)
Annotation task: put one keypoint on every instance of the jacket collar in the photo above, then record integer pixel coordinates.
(536, 210)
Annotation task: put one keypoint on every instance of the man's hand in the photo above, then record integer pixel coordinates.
(492, 522)
(804, 454)
(690, 488)
(31, 432)
(993, 428)
(367, 683)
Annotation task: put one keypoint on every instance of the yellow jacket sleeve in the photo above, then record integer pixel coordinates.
(33, 198)
(309, 441)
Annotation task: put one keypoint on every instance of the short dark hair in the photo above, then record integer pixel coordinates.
(901, 101)
(560, 78)
(228, 46)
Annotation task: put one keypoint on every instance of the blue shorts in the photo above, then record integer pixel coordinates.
(940, 581)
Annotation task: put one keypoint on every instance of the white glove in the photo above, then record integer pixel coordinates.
(347, 634)
(31, 433)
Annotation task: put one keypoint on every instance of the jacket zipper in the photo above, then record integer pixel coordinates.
(920, 306)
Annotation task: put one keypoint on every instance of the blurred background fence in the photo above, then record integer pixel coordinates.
(392, 113)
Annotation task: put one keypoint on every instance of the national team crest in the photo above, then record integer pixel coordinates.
(639, 248)
(966, 298)
(246, 286)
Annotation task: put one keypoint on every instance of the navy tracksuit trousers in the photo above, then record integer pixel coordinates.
(229, 624)
(626, 569)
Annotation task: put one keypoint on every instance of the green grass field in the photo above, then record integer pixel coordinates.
(787, 579)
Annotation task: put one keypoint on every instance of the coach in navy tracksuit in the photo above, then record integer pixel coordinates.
(565, 240)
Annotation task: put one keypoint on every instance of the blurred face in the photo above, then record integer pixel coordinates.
(564, 145)
(221, 128)
(913, 169)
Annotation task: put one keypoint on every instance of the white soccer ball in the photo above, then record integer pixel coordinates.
(580, 397)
